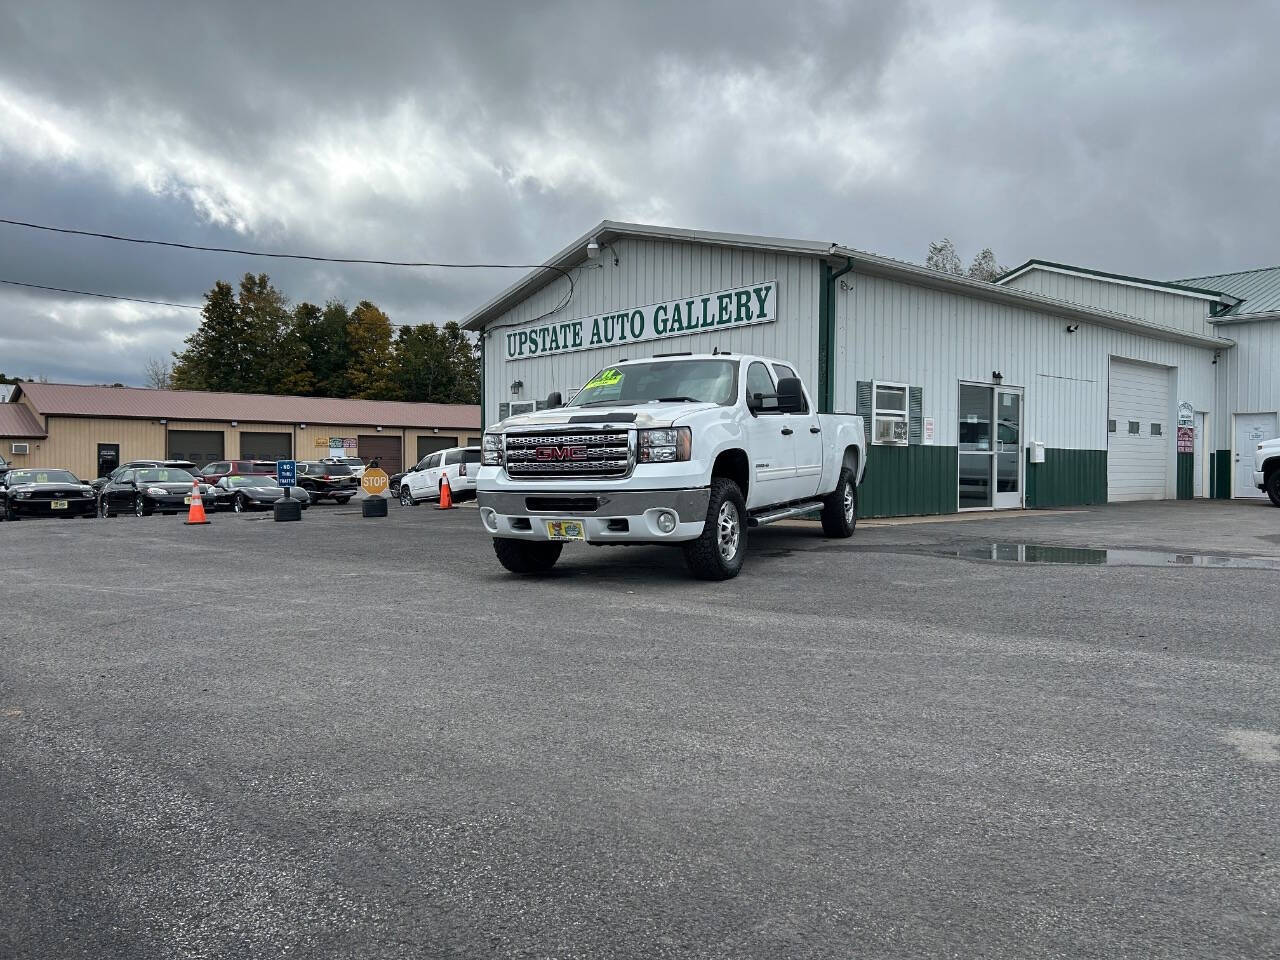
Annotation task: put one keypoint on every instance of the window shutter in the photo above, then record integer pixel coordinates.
(504, 411)
(863, 408)
(915, 415)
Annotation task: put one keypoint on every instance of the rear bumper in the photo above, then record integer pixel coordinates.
(612, 516)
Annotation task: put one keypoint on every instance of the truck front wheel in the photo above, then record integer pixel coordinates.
(527, 556)
(1273, 486)
(718, 552)
(840, 508)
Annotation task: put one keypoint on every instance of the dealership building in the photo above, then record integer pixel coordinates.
(1054, 386)
(91, 429)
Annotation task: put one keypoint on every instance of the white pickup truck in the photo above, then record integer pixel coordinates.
(1266, 472)
(677, 449)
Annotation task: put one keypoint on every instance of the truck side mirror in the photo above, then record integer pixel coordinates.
(790, 395)
(554, 400)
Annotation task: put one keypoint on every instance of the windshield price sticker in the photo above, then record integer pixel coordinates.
(607, 378)
(706, 312)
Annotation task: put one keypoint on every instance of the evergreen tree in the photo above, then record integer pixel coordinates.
(436, 365)
(217, 356)
(369, 349)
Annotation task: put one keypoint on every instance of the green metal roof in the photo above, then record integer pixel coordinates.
(1258, 289)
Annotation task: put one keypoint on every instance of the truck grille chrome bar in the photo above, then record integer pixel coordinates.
(549, 455)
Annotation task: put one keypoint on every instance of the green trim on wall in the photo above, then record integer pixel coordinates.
(1067, 478)
(908, 481)
(483, 423)
(1220, 475)
(1186, 476)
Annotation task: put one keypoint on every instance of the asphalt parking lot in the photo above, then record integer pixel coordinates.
(350, 737)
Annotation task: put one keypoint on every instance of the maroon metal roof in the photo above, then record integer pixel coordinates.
(17, 421)
(75, 400)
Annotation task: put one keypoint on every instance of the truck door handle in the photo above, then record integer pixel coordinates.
(815, 429)
(786, 431)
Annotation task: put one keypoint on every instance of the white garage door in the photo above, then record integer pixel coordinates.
(1139, 433)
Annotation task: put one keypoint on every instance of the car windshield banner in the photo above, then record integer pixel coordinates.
(737, 307)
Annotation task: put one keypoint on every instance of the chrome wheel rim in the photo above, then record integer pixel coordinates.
(404, 497)
(728, 530)
(848, 503)
(137, 507)
(239, 506)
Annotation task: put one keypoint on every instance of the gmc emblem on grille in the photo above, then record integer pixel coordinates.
(562, 453)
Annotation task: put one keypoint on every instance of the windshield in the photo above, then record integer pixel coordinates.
(42, 476)
(701, 381)
(252, 482)
(352, 461)
(159, 475)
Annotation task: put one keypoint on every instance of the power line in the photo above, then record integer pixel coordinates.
(104, 296)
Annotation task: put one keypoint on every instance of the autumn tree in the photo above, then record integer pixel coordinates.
(369, 353)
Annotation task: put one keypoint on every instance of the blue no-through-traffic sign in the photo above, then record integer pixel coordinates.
(287, 472)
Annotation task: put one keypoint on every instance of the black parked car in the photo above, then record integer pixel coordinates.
(251, 493)
(327, 481)
(44, 492)
(101, 482)
(144, 490)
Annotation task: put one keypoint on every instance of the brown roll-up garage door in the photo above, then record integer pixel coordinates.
(266, 446)
(198, 446)
(433, 443)
(386, 449)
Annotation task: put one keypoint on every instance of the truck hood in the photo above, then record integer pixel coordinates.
(642, 415)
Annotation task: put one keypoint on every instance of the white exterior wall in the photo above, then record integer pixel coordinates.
(1168, 309)
(653, 272)
(889, 330)
(1252, 370)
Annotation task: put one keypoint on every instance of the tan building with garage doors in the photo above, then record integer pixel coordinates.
(91, 430)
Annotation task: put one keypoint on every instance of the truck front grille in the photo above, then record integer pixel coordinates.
(556, 455)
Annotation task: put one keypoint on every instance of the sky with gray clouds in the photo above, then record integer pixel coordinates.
(1138, 137)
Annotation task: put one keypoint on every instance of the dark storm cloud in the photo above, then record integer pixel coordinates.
(1139, 137)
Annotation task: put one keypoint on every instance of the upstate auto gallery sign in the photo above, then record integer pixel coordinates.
(738, 307)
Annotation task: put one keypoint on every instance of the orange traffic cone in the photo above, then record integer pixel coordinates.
(446, 494)
(196, 514)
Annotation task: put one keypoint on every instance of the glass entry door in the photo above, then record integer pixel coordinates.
(990, 447)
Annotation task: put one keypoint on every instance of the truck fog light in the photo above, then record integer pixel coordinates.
(666, 521)
(489, 517)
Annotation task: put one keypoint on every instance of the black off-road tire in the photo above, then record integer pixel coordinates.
(840, 508)
(1272, 483)
(527, 556)
(720, 550)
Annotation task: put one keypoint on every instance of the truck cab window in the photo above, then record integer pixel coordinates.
(759, 381)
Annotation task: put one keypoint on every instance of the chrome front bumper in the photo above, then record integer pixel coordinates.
(611, 516)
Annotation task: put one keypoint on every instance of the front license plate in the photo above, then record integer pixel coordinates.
(187, 501)
(59, 505)
(565, 530)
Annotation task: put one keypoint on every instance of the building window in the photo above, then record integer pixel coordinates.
(889, 413)
(1157, 430)
(1111, 426)
(1135, 428)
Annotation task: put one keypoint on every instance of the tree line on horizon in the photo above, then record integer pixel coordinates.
(253, 341)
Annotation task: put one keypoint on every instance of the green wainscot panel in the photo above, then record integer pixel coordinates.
(1186, 476)
(1067, 478)
(1220, 475)
(908, 481)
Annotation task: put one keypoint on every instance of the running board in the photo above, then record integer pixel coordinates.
(773, 516)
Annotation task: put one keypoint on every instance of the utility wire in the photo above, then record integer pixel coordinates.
(104, 296)
(568, 298)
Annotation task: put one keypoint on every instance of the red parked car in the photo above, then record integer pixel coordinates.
(213, 472)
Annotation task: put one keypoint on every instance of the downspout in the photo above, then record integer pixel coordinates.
(484, 335)
(827, 335)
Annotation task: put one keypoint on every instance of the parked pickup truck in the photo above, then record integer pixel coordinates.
(690, 450)
(1266, 472)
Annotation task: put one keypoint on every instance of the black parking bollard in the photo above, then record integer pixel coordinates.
(374, 507)
(287, 509)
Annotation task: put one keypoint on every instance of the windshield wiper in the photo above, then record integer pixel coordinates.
(677, 400)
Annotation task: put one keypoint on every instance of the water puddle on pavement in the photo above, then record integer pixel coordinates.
(1085, 556)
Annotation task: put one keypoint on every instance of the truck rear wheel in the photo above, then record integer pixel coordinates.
(527, 556)
(719, 551)
(840, 508)
(1273, 487)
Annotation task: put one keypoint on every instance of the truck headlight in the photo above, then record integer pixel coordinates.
(491, 450)
(665, 445)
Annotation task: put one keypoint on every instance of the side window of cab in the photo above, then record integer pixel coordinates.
(760, 383)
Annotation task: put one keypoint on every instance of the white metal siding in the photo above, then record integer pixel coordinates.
(652, 272)
(1168, 309)
(1138, 464)
(1250, 375)
(889, 330)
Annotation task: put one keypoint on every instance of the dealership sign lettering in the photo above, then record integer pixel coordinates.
(754, 303)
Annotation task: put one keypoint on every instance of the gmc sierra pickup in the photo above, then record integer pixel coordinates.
(687, 450)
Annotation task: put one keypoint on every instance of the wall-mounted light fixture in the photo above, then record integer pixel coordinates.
(435, 429)
(516, 387)
(234, 423)
(997, 376)
(302, 426)
(1072, 327)
(163, 421)
(379, 429)
(593, 249)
